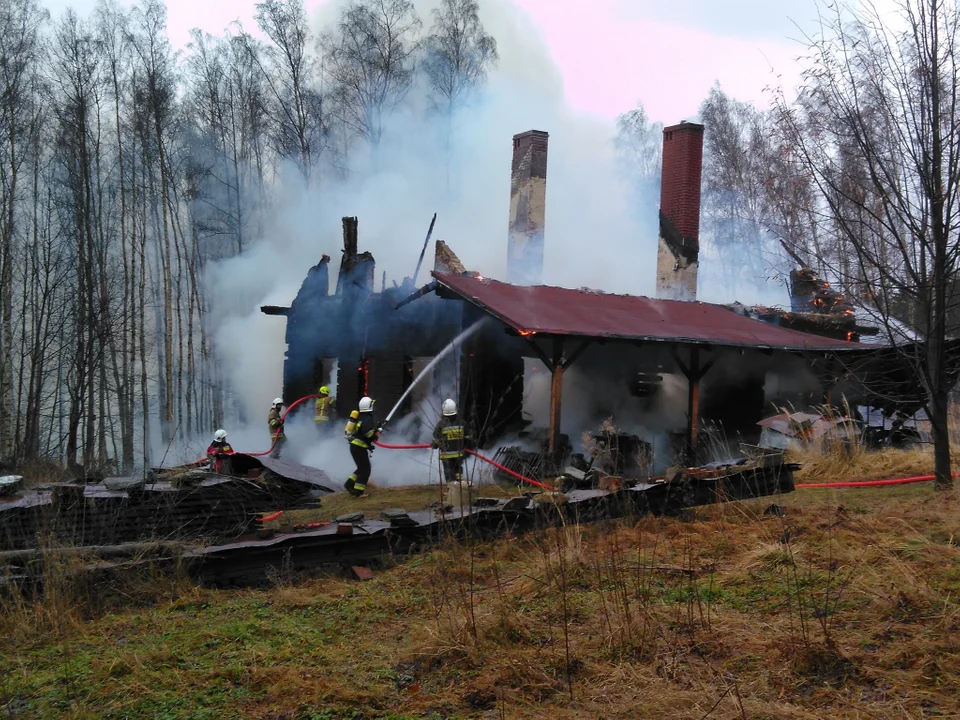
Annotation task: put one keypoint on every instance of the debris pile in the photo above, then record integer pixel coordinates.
(181, 502)
(353, 538)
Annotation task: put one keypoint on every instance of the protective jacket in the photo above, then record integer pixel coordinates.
(217, 451)
(324, 409)
(220, 448)
(362, 430)
(276, 423)
(451, 436)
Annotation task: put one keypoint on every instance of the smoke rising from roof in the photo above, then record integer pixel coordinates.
(596, 233)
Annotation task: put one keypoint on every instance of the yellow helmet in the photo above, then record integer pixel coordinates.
(324, 390)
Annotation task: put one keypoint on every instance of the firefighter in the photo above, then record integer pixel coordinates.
(324, 410)
(452, 438)
(275, 423)
(218, 453)
(361, 431)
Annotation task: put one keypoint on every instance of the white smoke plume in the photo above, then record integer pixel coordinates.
(592, 233)
(599, 233)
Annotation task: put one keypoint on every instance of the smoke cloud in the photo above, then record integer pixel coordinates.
(595, 232)
(599, 233)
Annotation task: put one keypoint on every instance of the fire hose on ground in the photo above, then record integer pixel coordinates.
(869, 483)
(494, 463)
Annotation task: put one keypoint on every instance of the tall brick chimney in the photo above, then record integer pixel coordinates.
(679, 247)
(528, 197)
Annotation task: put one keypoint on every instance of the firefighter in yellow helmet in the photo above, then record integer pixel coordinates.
(275, 423)
(452, 438)
(362, 431)
(324, 410)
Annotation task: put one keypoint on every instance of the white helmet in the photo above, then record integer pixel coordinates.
(220, 435)
(449, 408)
(366, 404)
(278, 401)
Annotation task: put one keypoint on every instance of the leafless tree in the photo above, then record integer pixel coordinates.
(876, 128)
(639, 145)
(20, 54)
(290, 72)
(227, 108)
(76, 75)
(458, 54)
(370, 61)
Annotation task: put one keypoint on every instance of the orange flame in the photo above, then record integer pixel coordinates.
(525, 333)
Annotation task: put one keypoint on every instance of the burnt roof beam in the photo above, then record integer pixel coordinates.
(425, 290)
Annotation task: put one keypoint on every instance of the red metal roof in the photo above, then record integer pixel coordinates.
(545, 310)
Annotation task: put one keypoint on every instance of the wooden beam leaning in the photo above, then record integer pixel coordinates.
(538, 351)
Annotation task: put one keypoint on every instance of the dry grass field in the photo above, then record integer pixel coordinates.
(845, 607)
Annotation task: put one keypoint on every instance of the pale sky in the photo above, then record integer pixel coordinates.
(610, 53)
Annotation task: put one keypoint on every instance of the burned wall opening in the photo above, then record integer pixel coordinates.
(492, 384)
(364, 334)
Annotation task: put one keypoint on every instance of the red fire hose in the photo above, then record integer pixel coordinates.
(283, 417)
(870, 483)
(510, 472)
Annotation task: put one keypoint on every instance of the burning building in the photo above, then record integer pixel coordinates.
(673, 370)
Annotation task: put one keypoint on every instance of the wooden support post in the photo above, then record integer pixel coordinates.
(693, 401)
(556, 395)
(829, 381)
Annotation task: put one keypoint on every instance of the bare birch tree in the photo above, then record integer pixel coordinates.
(370, 62)
(290, 71)
(877, 129)
(639, 145)
(458, 54)
(20, 55)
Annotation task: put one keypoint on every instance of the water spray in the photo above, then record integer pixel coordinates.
(443, 353)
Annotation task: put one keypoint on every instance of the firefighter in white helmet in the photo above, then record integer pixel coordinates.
(362, 431)
(452, 438)
(275, 423)
(218, 453)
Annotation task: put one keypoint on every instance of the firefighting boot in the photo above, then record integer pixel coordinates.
(353, 487)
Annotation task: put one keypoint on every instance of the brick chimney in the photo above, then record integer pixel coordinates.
(679, 247)
(528, 196)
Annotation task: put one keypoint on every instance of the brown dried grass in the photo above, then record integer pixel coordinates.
(844, 608)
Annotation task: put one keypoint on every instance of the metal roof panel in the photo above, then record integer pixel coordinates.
(545, 310)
